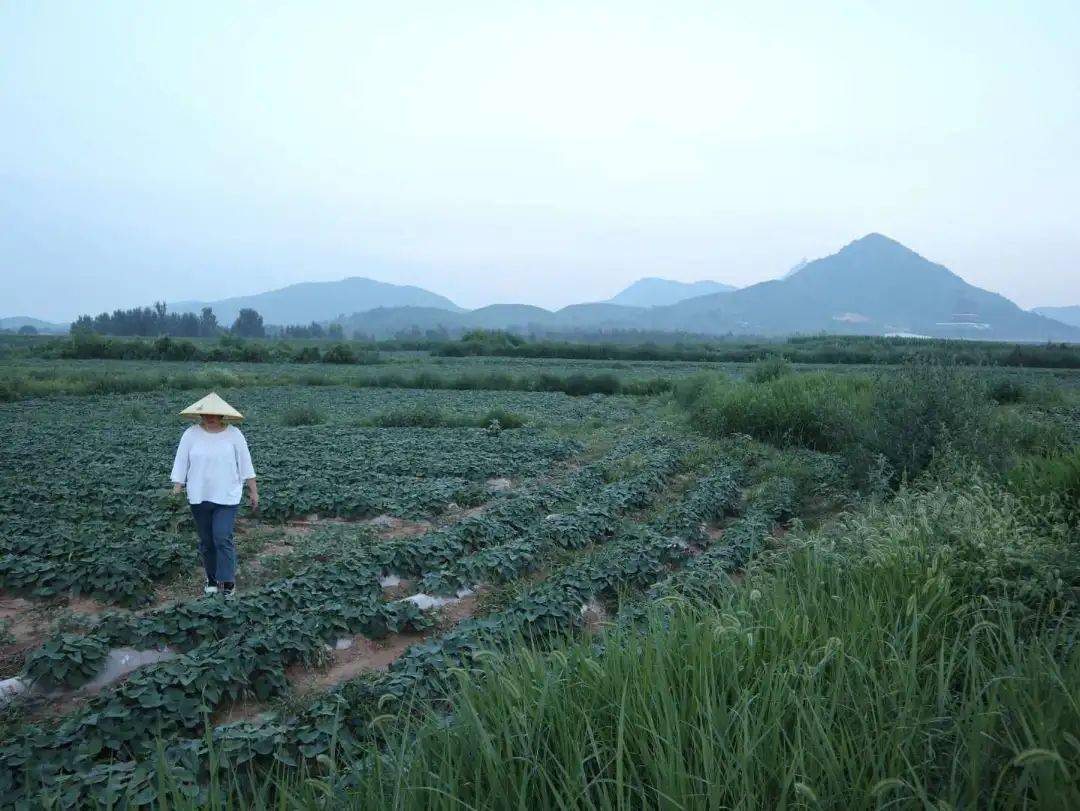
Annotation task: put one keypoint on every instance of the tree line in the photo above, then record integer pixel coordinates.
(156, 321)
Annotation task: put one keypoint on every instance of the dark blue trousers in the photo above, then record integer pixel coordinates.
(214, 523)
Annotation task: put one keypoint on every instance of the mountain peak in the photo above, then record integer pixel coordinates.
(876, 241)
(652, 291)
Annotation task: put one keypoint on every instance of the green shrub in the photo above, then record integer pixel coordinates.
(302, 415)
(419, 417)
(893, 422)
(339, 353)
(425, 416)
(506, 419)
(769, 368)
(1005, 390)
(918, 410)
(580, 384)
(307, 354)
(690, 390)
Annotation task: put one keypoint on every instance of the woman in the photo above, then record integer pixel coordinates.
(213, 461)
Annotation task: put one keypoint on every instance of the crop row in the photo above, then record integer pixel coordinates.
(739, 543)
(245, 645)
(637, 556)
(598, 519)
(83, 506)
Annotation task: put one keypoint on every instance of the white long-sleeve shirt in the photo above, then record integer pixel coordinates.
(214, 466)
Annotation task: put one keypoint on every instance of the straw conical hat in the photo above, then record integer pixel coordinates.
(212, 404)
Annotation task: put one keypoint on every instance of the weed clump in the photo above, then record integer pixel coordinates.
(770, 368)
(302, 415)
(427, 416)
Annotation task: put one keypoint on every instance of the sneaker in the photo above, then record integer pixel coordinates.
(229, 590)
(210, 588)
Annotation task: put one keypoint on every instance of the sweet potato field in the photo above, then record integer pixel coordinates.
(408, 541)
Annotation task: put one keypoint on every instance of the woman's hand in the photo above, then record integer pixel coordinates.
(253, 495)
(177, 488)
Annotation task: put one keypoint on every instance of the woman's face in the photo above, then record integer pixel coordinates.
(212, 422)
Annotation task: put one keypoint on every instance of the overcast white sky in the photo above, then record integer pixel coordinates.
(537, 152)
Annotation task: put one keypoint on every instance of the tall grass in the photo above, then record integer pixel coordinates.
(817, 410)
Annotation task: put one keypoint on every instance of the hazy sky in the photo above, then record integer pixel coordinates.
(540, 152)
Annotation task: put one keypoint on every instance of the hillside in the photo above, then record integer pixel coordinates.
(525, 318)
(654, 292)
(320, 301)
(16, 322)
(872, 286)
(1066, 315)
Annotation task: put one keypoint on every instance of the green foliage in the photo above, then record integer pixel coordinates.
(918, 410)
(820, 349)
(17, 383)
(307, 354)
(419, 417)
(1006, 390)
(769, 368)
(339, 353)
(579, 384)
(505, 419)
(912, 655)
(248, 324)
(1050, 486)
(68, 660)
(816, 410)
(433, 417)
(481, 342)
(303, 415)
(899, 419)
(110, 532)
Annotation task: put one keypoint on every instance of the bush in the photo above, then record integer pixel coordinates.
(579, 384)
(770, 368)
(302, 415)
(1005, 390)
(920, 409)
(307, 354)
(894, 421)
(434, 417)
(339, 353)
(419, 417)
(506, 419)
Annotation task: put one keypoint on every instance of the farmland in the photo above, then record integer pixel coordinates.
(849, 587)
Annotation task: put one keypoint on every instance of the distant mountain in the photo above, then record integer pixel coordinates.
(1066, 315)
(654, 292)
(873, 286)
(524, 318)
(797, 267)
(320, 301)
(14, 323)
